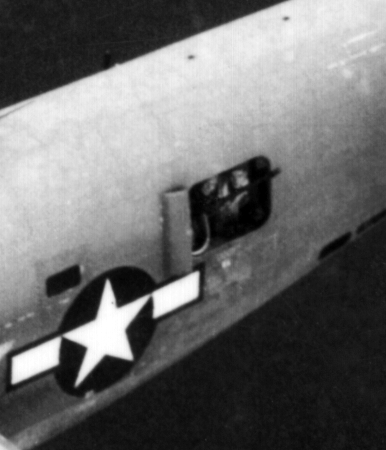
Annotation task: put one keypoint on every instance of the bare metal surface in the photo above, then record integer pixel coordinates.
(87, 164)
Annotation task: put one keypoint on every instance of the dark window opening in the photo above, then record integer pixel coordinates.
(334, 245)
(231, 204)
(62, 281)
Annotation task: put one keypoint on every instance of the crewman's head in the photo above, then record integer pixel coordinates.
(239, 178)
(209, 186)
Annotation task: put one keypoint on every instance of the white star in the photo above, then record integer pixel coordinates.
(106, 335)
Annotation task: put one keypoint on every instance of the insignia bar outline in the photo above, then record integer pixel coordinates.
(117, 332)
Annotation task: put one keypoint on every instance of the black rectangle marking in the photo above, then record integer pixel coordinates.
(62, 281)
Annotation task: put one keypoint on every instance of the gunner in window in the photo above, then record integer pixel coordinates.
(239, 179)
(204, 197)
(233, 212)
(209, 195)
(259, 191)
(241, 202)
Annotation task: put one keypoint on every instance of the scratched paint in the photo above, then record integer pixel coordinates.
(361, 37)
(357, 55)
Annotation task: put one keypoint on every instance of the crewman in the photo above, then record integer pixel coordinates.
(231, 217)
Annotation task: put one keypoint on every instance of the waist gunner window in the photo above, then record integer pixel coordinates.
(230, 204)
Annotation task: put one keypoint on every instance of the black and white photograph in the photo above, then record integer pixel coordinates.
(193, 224)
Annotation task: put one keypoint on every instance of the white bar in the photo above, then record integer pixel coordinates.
(177, 294)
(35, 361)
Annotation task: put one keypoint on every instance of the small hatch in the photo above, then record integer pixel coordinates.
(62, 281)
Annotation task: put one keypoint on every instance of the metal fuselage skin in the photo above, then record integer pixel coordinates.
(84, 169)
